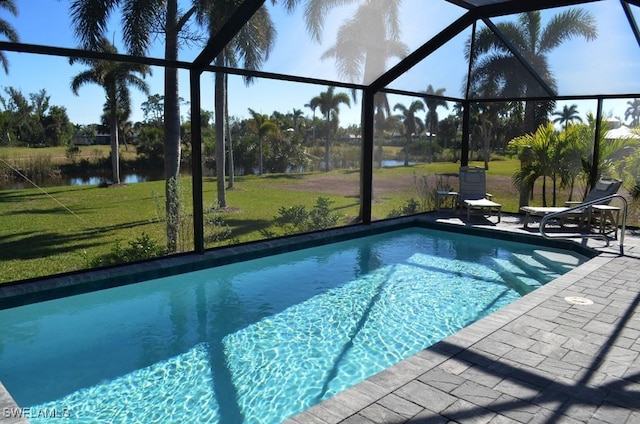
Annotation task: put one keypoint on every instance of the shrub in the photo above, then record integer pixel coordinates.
(143, 247)
(297, 219)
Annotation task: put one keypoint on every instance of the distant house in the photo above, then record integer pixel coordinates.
(103, 139)
(82, 139)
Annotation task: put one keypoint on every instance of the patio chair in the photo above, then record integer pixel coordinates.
(603, 188)
(473, 194)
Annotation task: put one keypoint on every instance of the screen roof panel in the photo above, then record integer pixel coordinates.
(355, 43)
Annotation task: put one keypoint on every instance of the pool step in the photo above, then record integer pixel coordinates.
(560, 262)
(516, 276)
(539, 270)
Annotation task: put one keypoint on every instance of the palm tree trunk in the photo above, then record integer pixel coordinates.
(232, 170)
(406, 150)
(115, 150)
(172, 130)
(327, 144)
(220, 133)
(259, 153)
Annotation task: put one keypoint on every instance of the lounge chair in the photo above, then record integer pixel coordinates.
(603, 188)
(473, 193)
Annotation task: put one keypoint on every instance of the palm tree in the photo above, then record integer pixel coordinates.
(362, 59)
(633, 111)
(7, 30)
(494, 65)
(540, 147)
(139, 22)
(567, 115)
(115, 78)
(433, 104)
(412, 124)
(261, 126)
(329, 104)
(252, 43)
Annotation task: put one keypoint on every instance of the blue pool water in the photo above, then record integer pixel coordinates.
(262, 340)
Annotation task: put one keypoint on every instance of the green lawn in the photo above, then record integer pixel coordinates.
(66, 228)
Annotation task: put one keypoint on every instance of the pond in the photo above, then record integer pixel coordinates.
(87, 179)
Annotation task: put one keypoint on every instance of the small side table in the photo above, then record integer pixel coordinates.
(443, 196)
(607, 215)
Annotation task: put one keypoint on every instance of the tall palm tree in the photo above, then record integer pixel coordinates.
(7, 30)
(261, 126)
(329, 104)
(362, 59)
(141, 22)
(115, 78)
(433, 104)
(252, 44)
(412, 124)
(493, 64)
(633, 111)
(567, 115)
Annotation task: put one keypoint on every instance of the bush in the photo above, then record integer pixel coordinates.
(297, 219)
(143, 247)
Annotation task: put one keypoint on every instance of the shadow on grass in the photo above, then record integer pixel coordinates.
(39, 244)
(242, 227)
(34, 245)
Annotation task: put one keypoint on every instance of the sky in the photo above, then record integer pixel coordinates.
(610, 64)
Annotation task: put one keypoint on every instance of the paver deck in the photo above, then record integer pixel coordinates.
(541, 359)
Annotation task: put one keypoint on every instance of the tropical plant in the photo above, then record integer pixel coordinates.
(412, 124)
(115, 78)
(329, 104)
(541, 149)
(433, 103)
(633, 112)
(494, 65)
(7, 30)
(261, 126)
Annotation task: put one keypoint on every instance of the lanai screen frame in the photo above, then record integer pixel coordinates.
(477, 10)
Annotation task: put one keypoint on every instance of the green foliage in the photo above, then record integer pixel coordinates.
(150, 146)
(297, 219)
(72, 152)
(143, 247)
(411, 207)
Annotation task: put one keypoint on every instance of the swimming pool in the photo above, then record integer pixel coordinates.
(261, 340)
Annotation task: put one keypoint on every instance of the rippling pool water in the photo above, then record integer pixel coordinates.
(262, 340)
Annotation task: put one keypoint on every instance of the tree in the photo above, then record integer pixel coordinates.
(141, 22)
(494, 65)
(115, 78)
(252, 44)
(153, 110)
(58, 129)
(329, 104)
(633, 112)
(433, 103)
(567, 115)
(261, 126)
(540, 147)
(7, 30)
(412, 124)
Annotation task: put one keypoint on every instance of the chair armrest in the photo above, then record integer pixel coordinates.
(572, 203)
(489, 196)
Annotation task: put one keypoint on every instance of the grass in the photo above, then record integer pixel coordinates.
(58, 154)
(66, 228)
